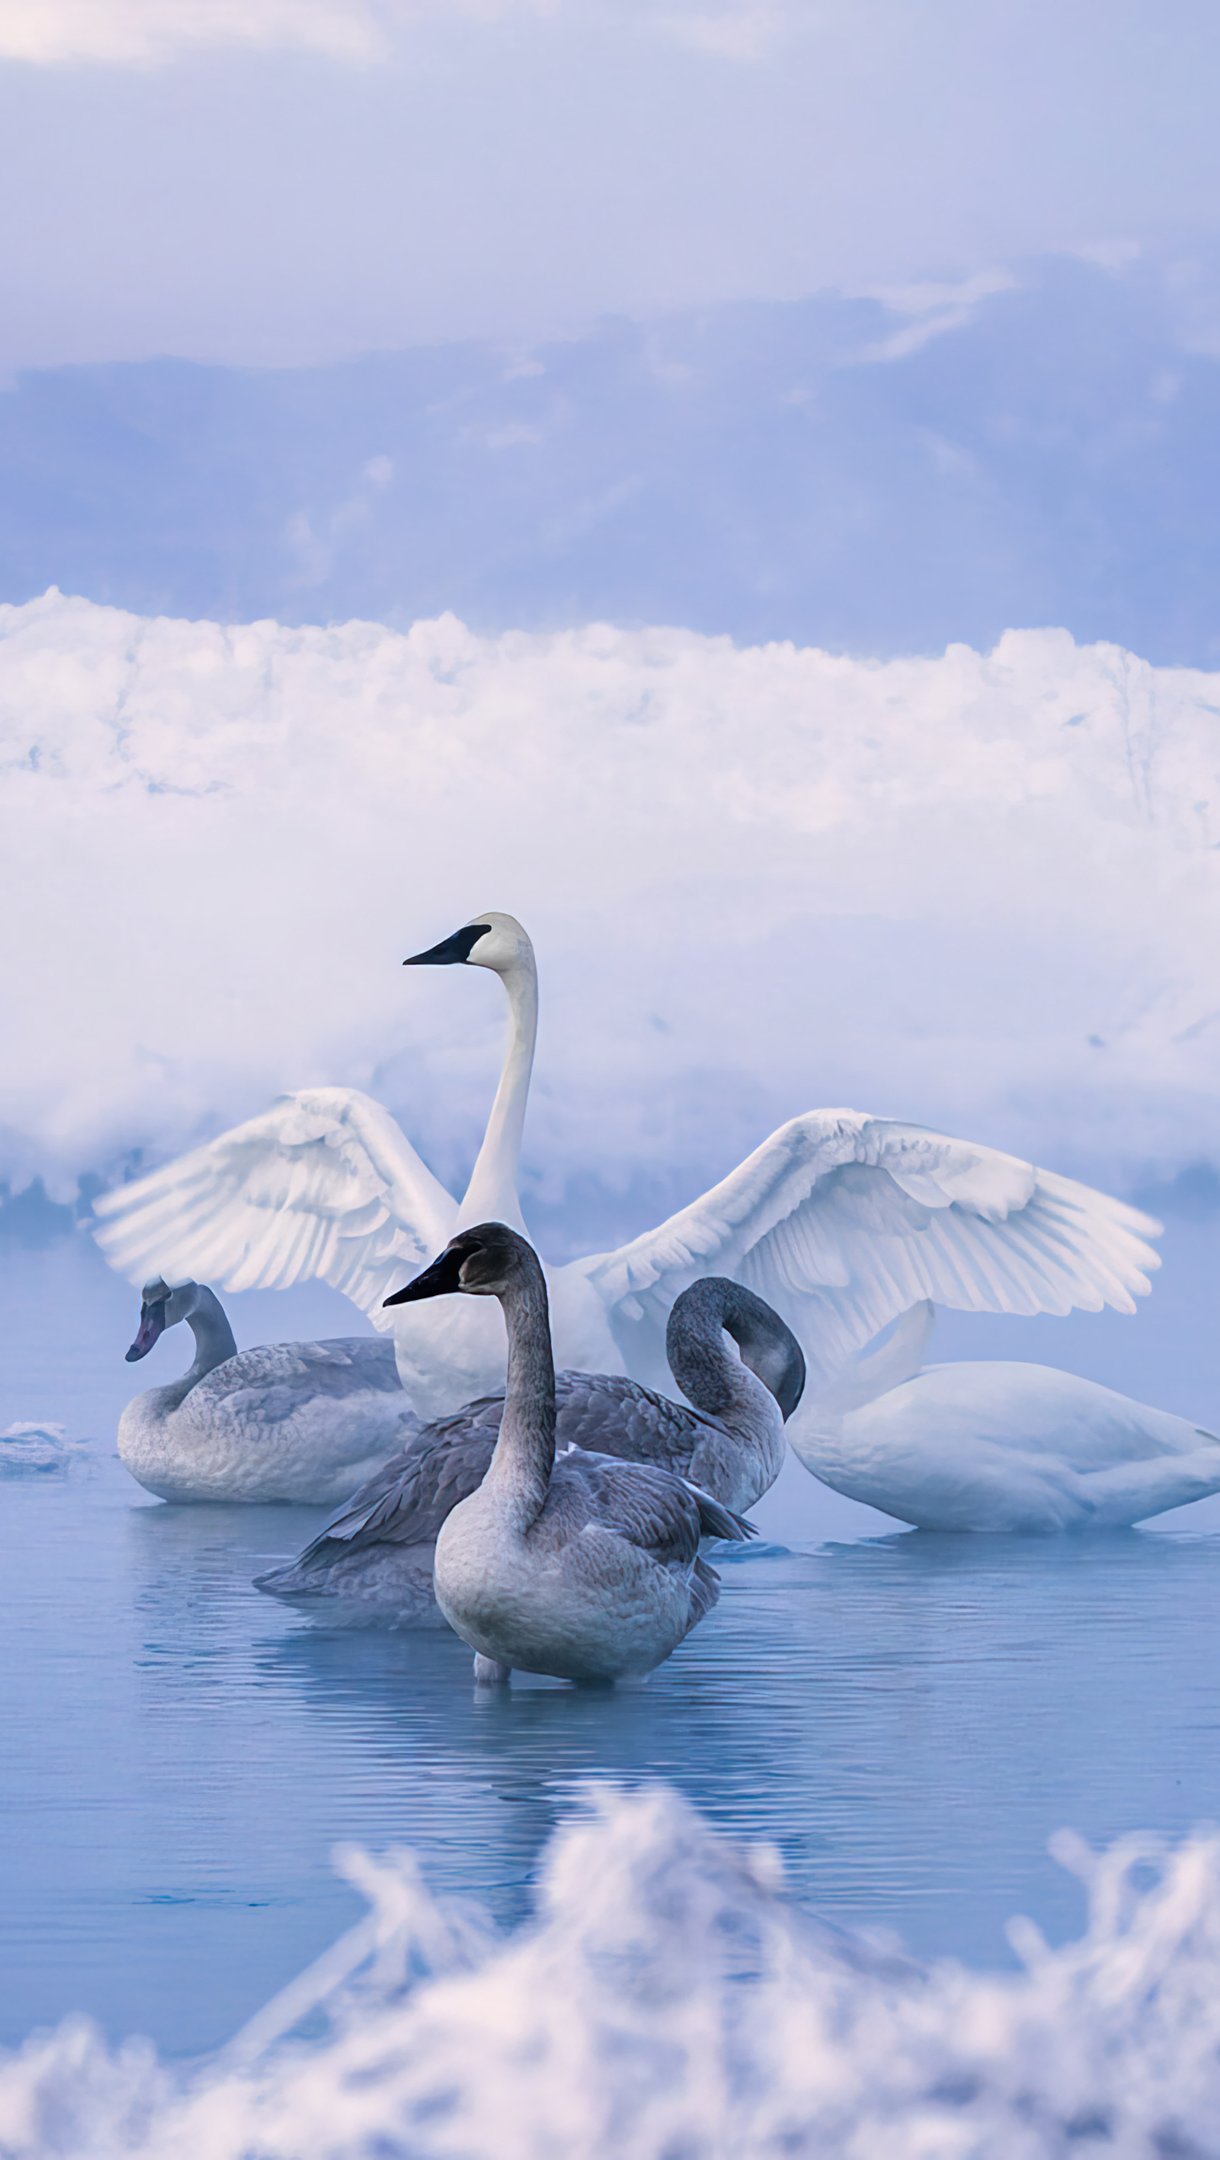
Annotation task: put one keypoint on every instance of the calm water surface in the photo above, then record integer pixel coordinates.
(907, 1717)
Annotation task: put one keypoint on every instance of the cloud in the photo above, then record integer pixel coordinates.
(982, 891)
(138, 32)
(933, 309)
(127, 33)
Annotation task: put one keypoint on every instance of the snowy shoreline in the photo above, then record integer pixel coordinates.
(667, 1998)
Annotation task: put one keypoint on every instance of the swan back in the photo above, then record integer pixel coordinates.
(1011, 1447)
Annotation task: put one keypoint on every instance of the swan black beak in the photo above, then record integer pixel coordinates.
(451, 950)
(444, 1275)
(152, 1324)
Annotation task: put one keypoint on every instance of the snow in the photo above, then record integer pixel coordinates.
(667, 1999)
(980, 890)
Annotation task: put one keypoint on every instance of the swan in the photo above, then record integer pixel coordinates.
(999, 1446)
(579, 1566)
(286, 1421)
(377, 1552)
(840, 1220)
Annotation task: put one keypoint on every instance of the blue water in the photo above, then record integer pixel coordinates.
(908, 1718)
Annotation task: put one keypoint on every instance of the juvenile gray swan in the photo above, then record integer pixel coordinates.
(578, 1565)
(376, 1554)
(287, 1421)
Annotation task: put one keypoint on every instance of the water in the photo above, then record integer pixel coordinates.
(907, 1718)
(668, 1999)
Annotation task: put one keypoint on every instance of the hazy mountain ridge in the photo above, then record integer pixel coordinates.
(841, 472)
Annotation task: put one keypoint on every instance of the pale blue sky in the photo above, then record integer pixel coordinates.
(291, 179)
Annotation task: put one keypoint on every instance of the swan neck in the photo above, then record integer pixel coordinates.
(524, 1457)
(492, 1191)
(718, 1383)
(214, 1340)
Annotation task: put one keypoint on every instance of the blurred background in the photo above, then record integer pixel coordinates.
(734, 483)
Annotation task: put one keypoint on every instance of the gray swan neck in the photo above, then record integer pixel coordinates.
(524, 1457)
(215, 1342)
(767, 1376)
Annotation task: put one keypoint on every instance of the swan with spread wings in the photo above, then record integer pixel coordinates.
(839, 1220)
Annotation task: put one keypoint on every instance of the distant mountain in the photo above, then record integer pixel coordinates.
(844, 472)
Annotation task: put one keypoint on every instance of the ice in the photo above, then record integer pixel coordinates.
(27, 1445)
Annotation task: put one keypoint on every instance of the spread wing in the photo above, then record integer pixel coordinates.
(323, 1184)
(842, 1221)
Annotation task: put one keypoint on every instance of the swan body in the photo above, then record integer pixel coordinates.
(578, 1565)
(375, 1556)
(840, 1220)
(283, 1422)
(998, 1446)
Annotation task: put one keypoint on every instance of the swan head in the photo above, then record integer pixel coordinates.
(491, 940)
(481, 1261)
(162, 1305)
(716, 1306)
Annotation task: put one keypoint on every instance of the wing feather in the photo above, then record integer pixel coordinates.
(323, 1184)
(843, 1221)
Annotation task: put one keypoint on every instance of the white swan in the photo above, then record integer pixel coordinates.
(992, 1446)
(376, 1555)
(841, 1221)
(287, 1421)
(580, 1566)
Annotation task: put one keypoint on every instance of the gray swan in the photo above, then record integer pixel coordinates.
(376, 1554)
(580, 1566)
(299, 1421)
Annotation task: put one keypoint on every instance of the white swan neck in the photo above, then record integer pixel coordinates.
(520, 1472)
(491, 1195)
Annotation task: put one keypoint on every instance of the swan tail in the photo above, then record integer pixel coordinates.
(718, 1521)
(1131, 1492)
(294, 1579)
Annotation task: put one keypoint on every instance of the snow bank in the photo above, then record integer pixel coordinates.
(666, 2000)
(982, 890)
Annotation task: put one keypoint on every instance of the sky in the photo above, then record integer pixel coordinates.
(285, 180)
